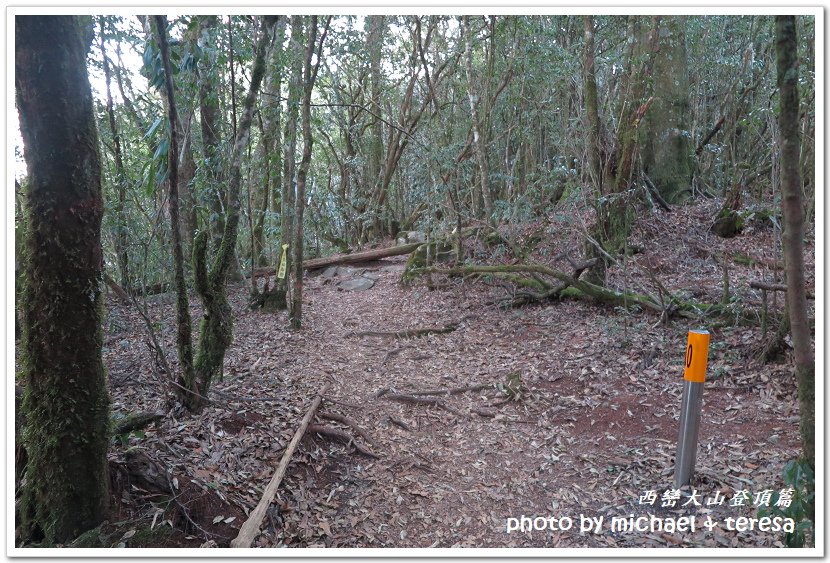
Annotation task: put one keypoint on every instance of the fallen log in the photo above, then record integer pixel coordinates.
(354, 258)
(571, 285)
(250, 528)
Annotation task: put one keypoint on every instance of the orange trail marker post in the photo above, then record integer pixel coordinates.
(697, 352)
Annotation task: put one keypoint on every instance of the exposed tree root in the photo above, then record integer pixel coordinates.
(351, 424)
(400, 423)
(412, 333)
(342, 437)
(456, 390)
(135, 421)
(411, 399)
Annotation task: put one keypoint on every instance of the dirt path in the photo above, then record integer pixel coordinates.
(594, 428)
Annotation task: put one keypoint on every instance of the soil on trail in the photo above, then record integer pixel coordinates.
(591, 428)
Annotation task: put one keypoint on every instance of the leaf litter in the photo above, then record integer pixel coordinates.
(594, 427)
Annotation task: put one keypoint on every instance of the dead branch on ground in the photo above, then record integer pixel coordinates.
(250, 528)
(351, 424)
(342, 437)
(413, 400)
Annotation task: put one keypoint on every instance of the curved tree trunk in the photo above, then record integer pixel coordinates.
(216, 332)
(66, 403)
(186, 385)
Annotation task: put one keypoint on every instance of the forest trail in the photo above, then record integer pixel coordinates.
(593, 428)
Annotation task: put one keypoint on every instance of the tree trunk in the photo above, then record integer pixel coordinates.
(479, 144)
(211, 134)
(216, 330)
(592, 108)
(185, 389)
(309, 76)
(66, 403)
(793, 209)
(290, 147)
(121, 229)
(375, 25)
(667, 144)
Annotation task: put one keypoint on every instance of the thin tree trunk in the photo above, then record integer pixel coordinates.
(183, 321)
(479, 147)
(66, 404)
(216, 331)
(309, 77)
(793, 209)
(290, 145)
(120, 175)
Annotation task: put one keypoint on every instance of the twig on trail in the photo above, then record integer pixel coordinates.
(422, 401)
(400, 423)
(342, 437)
(456, 390)
(393, 352)
(351, 424)
(412, 333)
(235, 399)
(250, 528)
(343, 403)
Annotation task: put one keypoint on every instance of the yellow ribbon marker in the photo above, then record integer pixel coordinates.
(283, 265)
(697, 352)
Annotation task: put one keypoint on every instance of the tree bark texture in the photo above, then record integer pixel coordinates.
(793, 209)
(309, 77)
(290, 146)
(216, 329)
(668, 151)
(184, 329)
(66, 403)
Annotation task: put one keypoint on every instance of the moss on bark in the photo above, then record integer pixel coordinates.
(66, 404)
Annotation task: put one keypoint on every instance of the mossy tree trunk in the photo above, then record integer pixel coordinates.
(66, 403)
(614, 210)
(186, 389)
(216, 332)
(793, 209)
(209, 112)
(667, 150)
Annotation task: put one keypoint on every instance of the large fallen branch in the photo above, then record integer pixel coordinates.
(250, 528)
(578, 288)
(354, 258)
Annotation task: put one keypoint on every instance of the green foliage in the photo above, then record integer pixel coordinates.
(801, 482)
